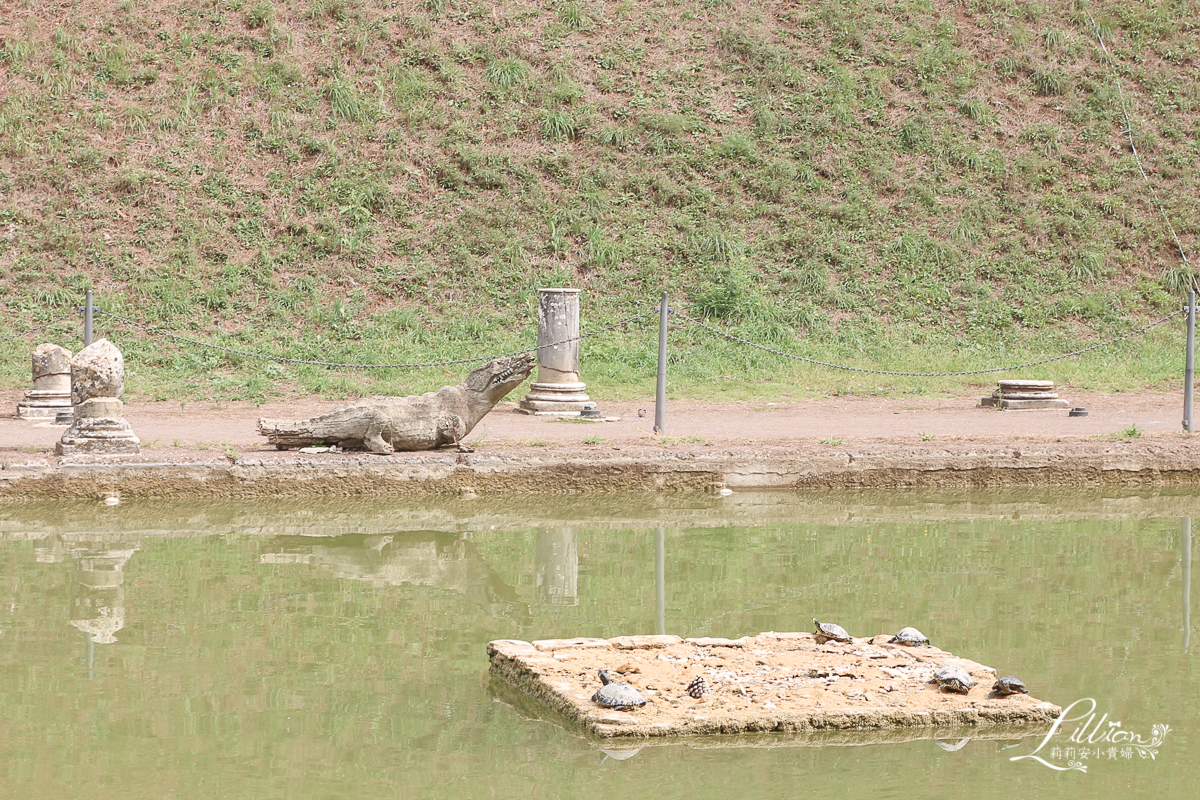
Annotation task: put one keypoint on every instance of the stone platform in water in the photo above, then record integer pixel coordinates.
(783, 682)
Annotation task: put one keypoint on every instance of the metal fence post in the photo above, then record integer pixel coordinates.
(1189, 367)
(660, 394)
(87, 318)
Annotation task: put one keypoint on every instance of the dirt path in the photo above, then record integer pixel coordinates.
(204, 429)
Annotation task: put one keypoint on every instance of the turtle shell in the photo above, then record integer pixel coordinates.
(953, 678)
(1009, 684)
(829, 630)
(909, 636)
(615, 694)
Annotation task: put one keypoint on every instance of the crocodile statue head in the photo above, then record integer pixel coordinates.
(490, 383)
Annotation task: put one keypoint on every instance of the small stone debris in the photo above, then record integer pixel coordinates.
(770, 682)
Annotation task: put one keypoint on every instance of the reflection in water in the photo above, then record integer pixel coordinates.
(238, 677)
(1187, 581)
(660, 577)
(618, 755)
(557, 558)
(97, 581)
(951, 747)
(425, 558)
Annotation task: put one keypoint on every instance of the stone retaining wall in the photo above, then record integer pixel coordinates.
(442, 473)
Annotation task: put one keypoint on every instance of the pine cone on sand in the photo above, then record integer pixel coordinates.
(698, 687)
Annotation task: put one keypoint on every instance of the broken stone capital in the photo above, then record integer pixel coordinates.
(97, 371)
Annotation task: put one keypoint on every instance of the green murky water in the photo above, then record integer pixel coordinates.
(322, 650)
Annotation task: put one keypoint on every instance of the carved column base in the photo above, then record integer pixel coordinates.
(40, 404)
(555, 399)
(98, 429)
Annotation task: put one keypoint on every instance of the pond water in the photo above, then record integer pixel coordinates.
(337, 650)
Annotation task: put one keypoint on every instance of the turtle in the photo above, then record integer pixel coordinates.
(954, 678)
(1009, 684)
(828, 630)
(615, 694)
(910, 637)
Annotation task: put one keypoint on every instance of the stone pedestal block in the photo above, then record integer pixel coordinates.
(557, 390)
(556, 399)
(1018, 405)
(100, 429)
(51, 393)
(1024, 394)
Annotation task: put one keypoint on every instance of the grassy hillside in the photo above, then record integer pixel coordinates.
(904, 185)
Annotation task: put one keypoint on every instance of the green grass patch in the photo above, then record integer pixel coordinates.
(349, 181)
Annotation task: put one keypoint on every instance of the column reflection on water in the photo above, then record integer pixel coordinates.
(557, 557)
(660, 577)
(97, 583)
(98, 590)
(1187, 581)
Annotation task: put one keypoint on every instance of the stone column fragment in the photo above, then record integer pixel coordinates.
(97, 383)
(51, 392)
(558, 390)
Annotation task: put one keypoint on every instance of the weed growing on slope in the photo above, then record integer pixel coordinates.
(836, 180)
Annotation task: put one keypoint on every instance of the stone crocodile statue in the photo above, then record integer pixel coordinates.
(425, 422)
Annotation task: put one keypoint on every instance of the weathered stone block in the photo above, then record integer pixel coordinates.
(50, 359)
(100, 408)
(1018, 405)
(97, 371)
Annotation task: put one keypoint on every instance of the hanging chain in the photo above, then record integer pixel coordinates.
(43, 326)
(334, 364)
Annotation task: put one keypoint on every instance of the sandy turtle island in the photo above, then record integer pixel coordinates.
(784, 682)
